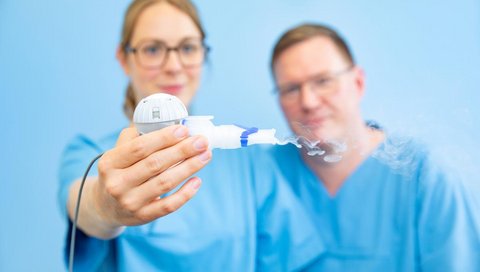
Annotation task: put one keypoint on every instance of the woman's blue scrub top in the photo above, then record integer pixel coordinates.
(241, 219)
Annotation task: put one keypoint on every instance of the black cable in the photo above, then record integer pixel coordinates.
(77, 209)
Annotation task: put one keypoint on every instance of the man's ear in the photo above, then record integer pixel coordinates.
(122, 59)
(359, 77)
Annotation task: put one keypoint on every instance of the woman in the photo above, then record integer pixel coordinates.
(162, 50)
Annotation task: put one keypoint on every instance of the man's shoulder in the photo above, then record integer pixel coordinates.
(401, 154)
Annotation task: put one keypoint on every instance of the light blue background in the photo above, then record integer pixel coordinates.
(59, 77)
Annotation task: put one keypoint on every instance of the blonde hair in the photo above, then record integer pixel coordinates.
(130, 20)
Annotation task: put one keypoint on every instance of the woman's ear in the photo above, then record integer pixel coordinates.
(122, 59)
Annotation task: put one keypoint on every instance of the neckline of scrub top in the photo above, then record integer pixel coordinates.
(350, 183)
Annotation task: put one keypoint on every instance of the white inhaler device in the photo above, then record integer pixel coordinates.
(161, 110)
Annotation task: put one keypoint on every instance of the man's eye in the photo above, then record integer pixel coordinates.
(319, 82)
(289, 89)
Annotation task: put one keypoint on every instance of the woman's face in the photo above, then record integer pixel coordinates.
(158, 27)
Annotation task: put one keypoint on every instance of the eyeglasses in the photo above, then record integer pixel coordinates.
(321, 84)
(153, 53)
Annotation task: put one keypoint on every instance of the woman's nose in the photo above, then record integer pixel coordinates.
(172, 62)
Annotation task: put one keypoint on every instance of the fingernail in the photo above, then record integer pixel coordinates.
(180, 132)
(205, 156)
(200, 144)
(195, 183)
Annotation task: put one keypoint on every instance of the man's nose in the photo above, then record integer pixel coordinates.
(308, 99)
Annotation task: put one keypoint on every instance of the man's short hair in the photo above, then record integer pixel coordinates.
(307, 31)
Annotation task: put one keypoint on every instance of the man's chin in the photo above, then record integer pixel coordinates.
(311, 132)
(313, 135)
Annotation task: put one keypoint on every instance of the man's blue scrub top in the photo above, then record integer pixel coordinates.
(239, 220)
(397, 212)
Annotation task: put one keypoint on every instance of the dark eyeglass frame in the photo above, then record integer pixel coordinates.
(135, 51)
(297, 86)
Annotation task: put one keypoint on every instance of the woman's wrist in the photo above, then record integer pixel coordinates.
(93, 219)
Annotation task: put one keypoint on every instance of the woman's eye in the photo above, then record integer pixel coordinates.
(152, 50)
(188, 48)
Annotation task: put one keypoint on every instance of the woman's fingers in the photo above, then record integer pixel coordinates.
(160, 161)
(133, 149)
(166, 181)
(163, 206)
(126, 135)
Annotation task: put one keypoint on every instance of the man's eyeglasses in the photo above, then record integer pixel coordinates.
(153, 53)
(322, 84)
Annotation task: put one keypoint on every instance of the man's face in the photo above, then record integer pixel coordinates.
(319, 90)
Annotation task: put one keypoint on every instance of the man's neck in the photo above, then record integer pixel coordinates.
(359, 147)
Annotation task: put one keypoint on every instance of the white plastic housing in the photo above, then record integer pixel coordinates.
(158, 111)
(226, 136)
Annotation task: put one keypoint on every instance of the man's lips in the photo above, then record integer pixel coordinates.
(313, 122)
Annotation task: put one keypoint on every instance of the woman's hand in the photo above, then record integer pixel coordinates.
(133, 176)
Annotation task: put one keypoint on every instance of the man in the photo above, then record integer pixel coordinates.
(378, 205)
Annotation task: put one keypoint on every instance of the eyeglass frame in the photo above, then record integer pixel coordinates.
(297, 86)
(135, 50)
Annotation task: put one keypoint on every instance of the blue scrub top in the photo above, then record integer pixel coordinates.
(397, 212)
(241, 219)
